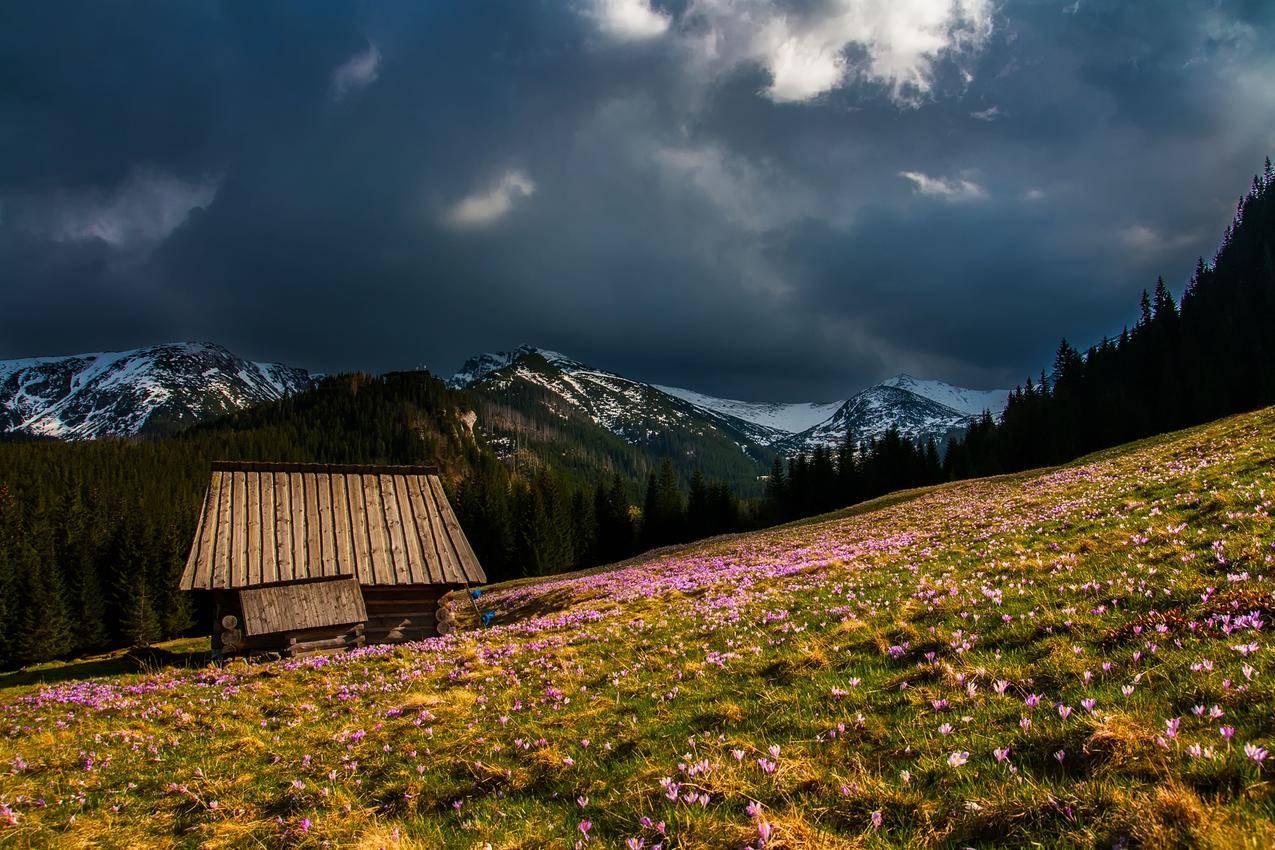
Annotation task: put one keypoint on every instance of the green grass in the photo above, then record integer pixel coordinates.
(866, 646)
(185, 652)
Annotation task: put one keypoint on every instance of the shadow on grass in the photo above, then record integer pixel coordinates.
(179, 653)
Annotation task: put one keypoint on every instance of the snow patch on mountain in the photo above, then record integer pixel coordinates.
(481, 365)
(969, 402)
(786, 418)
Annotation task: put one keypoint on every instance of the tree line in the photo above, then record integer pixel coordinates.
(855, 471)
(1178, 365)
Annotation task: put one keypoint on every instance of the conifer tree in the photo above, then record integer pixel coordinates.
(141, 625)
(698, 521)
(45, 627)
(1163, 306)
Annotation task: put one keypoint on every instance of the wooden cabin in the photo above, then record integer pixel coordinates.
(306, 557)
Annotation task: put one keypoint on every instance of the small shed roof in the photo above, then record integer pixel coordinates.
(301, 605)
(272, 523)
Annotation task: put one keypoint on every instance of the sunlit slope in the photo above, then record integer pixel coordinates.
(1077, 657)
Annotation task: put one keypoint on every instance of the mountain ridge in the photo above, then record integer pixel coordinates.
(152, 389)
(165, 387)
(920, 409)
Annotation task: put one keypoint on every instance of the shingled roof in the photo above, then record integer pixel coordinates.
(271, 523)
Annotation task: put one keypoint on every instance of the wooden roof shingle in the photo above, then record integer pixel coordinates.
(272, 523)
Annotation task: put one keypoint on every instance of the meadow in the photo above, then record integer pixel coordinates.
(1072, 657)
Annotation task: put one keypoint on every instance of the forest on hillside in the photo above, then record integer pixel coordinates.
(93, 535)
(1179, 365)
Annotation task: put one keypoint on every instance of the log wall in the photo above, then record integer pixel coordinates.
(402, 612)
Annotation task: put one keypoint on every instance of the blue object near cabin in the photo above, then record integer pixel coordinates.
(475, 593)
(488, 616)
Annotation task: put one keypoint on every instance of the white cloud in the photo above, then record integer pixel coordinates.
(750, 195)
(143, 209)
(1034, 194)
(991, 113)
(357, 73)
(950, 189)
(1143, 239)
(493, 203)
(814, 49)
(628, 20)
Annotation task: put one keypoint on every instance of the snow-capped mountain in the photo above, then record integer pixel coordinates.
(918, 409)
(145, 390)
(875, 411)
(638, 412)
(969, 402)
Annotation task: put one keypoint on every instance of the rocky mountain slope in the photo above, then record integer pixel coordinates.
(638, 412)
(903, 403)
(546, 403)
(155, 389)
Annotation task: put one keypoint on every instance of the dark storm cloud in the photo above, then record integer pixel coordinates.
(391, 185)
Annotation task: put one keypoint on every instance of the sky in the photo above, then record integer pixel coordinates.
(767, 200)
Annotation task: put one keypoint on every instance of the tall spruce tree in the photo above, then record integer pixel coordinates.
(44, 631)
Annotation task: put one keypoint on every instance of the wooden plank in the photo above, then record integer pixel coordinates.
(417, 621)
(447, 569)
(421, 508)
(473, 571)
(394, 530)
(221, 534)
(269, 540)
(283, 525)
(382, 572)
(412, 603)
(235, 570)
(343, 550)
(296, 500)
(446, 543)
(211, 536)
(327, 539)
(360, 537)
(313, 538)
(299, 647)
(387, 607)
(416, 571)
(399, 635)
(406, 591)
(305, 635)
(198, 572)
(192, 558)
(252, 521)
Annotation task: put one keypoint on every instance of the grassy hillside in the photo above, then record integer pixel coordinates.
(1076, 657)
